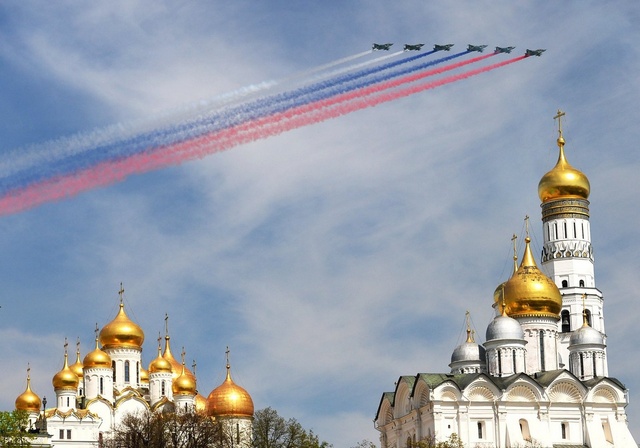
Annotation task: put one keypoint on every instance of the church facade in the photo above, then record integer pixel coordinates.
(94, 394)
(541, 377)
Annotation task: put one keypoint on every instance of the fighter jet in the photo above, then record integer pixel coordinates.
(479, 48)
(415, 47)
(503, 49)
(537, 52)
(385, 47)
(446, 47)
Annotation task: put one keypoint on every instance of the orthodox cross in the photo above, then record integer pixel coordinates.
(121, 293)
(559, 118)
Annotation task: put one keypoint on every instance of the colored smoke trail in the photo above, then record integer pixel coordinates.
(113, 171)
(217, 120)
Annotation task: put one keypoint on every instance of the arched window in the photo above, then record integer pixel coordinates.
(409, 442)
(566, 322)
(126, 371)
(480, 432)
(101, 386)
(563, 430)
(582, 283)
(113, 368)
(565, 283)
(588, 314)
(162, 392)
(524, 427)
(137, 372)
(542, 366)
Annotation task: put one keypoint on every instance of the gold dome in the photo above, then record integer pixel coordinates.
(97, 358)
(176, 367)
(563, 181)
(65, 378)
(28, 400)
(144, 376)
(77, 366)
(229, 400)
(185, 384)
(159, 364)
(121, 332)
(201, 403)
(529, 292)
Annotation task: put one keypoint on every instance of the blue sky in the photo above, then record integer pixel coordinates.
(334, 258)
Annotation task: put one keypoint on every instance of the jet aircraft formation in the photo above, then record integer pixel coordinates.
(447, 47)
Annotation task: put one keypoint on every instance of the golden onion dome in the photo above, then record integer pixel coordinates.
(176, 367)
(229, 400)
(563, 181)
(121, 332)
(97, 358)
(65, 378)
(529, 292)
(200, 403)
(185, 384)
(28, 400)
(159, 364)
(77, 366)
(144, 375)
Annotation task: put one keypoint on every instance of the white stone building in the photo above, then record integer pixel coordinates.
(541, 377)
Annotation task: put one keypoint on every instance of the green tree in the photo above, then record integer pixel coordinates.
(430, 442)
(14, 427)
(364, 444)
(270, 430)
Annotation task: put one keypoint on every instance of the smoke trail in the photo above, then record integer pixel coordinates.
(222, 118)
(115, 170)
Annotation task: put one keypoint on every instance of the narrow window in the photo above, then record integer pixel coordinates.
(100, 440)
(588, 313)
(409, 442)
(555, 230)
(565, 230)
(480, 430)
(575, 232)
(162, 393)
(514, 361)
(563, 428)
(582, 226)
(594, 365)
(581, 365)
(101, 386)
(68, 402)
(565, 283)
(126, 371)
(566, 322)
(542, 366)
(69, 434)
(582, 283)
(113, 368)
(238, 434)
(62, 433)
(499, 363)
(137, 372)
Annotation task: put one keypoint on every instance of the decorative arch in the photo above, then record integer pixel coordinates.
(522, 393)
(421, 394)
(565, 392)
(402, 402)
(448, 395)
(480, 393)
(604, 395)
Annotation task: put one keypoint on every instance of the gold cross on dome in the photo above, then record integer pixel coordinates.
(121, 292)
(558, 117)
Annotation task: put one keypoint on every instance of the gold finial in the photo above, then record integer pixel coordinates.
(526, 224)
(227, 353)
(504, 302)
(166, 325)
(558, 117)
(469, 331)
(121, 293)
(182, 355)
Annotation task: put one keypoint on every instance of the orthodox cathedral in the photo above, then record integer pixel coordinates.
(541, 377)
(95, 393)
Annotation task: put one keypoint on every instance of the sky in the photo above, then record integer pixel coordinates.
(333, 258)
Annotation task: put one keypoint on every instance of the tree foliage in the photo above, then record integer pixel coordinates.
(270, 430)
(14, 427)
(430, 442)
(169, 430)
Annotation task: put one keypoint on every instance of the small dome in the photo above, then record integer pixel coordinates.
(504, 327)
(77, 366)
(121, 332)
(185, 384)
(468, 351)
(586, 335)
(28, 400)
(563, 181)
(159, 364)
(97, 358)
(229, 400)
(65, 378)
(529, 292)
(144, 376)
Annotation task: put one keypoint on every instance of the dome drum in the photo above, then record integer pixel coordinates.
(565, 208)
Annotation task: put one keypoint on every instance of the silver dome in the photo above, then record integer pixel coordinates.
(468, 351)
(586, 335)
(504, 327)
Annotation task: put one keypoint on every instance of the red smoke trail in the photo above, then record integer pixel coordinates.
(114, 171)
